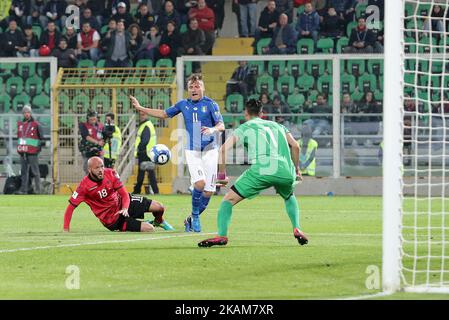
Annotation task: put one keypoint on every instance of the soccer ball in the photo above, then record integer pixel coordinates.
(160, 154)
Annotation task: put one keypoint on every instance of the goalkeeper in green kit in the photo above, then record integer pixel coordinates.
(272, 165)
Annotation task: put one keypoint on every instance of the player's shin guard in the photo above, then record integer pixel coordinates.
(292, 207)
(224, 218)
(196, 201)
(204, 203)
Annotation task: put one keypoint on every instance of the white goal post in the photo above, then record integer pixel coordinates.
(416, 140)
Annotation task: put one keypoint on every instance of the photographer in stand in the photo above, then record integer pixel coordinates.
(112, 141)
(91, 142)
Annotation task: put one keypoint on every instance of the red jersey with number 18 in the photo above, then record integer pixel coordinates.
(101, 196)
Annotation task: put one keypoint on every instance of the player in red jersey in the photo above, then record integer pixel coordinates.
(102, 190)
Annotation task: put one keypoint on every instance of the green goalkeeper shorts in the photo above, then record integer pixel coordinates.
(251, 183)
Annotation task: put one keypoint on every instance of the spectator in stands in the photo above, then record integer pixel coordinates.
(88, 17)
(368, 104)
(171, 38)
(136, 38)
(236, 10)
(98, 8)
(88, 42)
(30, 138)
(18, 11)
(112, 7)
(35, 18)
(266, 104)
(284, 38)
(39, 5)
(435, 23)
(154, 6)
(268, 20)
(332, 25)
(66, 56)
(122, 14)
(55, 12)
(51, 36)
(344, 8)
(248, 16)
(218, 8)
(168, 14)
(30, 45)
(149, 45)
(206, 22)
(287, 7)
(319, 124)
(192, 42)
(12, 40)
(347, 105)
(71, 37)
(308, 24)
(279, 107)
(81, 4)
(380, 4)
(361, 40)
(118, 53)
(144, 18)
(238, 82)
(183, 7)
(92, 142)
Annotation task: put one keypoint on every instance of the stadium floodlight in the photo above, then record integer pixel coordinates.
(415, 186)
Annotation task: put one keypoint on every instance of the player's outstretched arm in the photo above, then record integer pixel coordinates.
(68, 217)
(157, 113)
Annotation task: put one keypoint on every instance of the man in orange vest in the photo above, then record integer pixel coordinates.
(29, 140)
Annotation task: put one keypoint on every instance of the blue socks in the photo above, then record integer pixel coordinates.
(196, 201)
(204, 203)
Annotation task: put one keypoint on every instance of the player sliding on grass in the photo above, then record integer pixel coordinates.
(272, 165)
(102, 190)
(202, 119)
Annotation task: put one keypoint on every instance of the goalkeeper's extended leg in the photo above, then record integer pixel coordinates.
(293, 211)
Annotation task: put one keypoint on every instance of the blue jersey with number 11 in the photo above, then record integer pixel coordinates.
(202, 113)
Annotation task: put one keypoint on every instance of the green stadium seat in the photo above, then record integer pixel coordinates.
(6, 69)
(357, 96)
(276, 68)
(315, 67)
(356, 67)
(183, 28)
(104, 29)
(326, 45)
(360, 10)
(132, 80)
(312, 95)
(257, 67)
(234, 103)
(376, 67)
(80, 103)
(285, 85)
(378, 95)
(409, 9)
(228, 121)
(305, 83)
(410, 45)
(101, 63)
(410, 64)
(347, 83)
(63, 103)
(444, 45)
(423, 65)
(437, 66)
(33, 86)
(188, 68)
(165, 75)
(264, 83)
(341, 43)
(160, 100)
(424, 9)
(296, 68)
(296, 102)
(72, 80)
(5, 103)
(254, 96)
(144, 99)
(86, 63)
(409, 78)
(94, 80)
(324, 84)
(20, 101)
(47, 86)
(426, 80)
(367, 82)
(300, 10)
(427, 45)
(41, 101)
(101, 102)
(351, 25)
(26, 70)
(123, 104)
(144, 63)
(43, 70)
(262, 43)
(14, 86)
(305, 46)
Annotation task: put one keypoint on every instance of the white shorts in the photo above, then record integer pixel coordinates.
(203, 166)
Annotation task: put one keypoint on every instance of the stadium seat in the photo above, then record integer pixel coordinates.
(41, 101)
(376, 67)
(410, 45)
(143, 98)
(285, 85)
(326, 45)
(86, 63)
(63, 103)
(426, 80)
(5, 103)
(262, 43)
(437, 67)
(378, 95)
(311, 95)
(132, 80)
(426, 45)
(257, 67)
(305, 83)
(360, 10)
(324, 84)
(351, 25)
(47, 85)
(234, 103)
(367, 82)
(183, 28)
(161, 101)
(356, 67)
(26, 70)
(93, 79)
(72, 80)
(409, 78)
(409, 9)
(276, 68)
(423, 9)
(20, 101)
(305, 46)
(356, 96)
(264, 83)
(14, 86)
(7, 69)
(166, 75)
(228, 121)
(347, 83)
(33, 86)
(43, 70)
(101, 63)
(341, 43)
(123, 104)
(296, 102)
(187, 68)
(144, 63)
(423, 65)
(315, 67)
(444, 45)
(104, 29)
(101, 101)
(254, 96)
(296, 68)
(80, 103)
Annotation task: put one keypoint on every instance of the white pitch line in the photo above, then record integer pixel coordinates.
(367, 296)
(98, 242)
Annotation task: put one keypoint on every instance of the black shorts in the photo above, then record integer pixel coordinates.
(138, 205)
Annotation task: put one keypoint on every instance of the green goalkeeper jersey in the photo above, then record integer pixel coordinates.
(268, 149)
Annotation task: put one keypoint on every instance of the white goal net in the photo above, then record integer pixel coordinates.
(416, 223)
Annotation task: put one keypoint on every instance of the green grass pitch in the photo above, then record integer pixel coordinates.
(261, 261)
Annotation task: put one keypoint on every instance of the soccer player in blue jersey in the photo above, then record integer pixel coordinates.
(203, 120)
